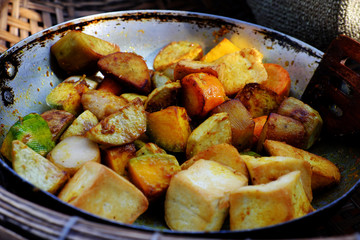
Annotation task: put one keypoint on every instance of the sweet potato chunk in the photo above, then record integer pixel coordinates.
(214, 130)
(282, 128)
(152, 173)
(242, 124)
(324, 172)
(110, 85)
(169, 128)
(117, 158)
(176, 51)
(121, 127)
(77, 52)
(224, 47)
(278, 79)
(201, 92)
(259, 100)
(128, 68)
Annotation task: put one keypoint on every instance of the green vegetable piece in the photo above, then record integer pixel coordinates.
(32, 130)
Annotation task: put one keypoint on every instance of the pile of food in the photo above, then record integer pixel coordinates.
(213, 136)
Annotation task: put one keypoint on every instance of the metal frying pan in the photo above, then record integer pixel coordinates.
(28, 73)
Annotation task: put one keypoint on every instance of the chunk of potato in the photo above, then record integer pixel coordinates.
(324, 172)
(225, 46)
(169, 128)
(121, 127)
(72, 152)
(163, 97)
(117, 158)
(128, 68)
(149, 148)
(36, 169)
(102, 103)
(258, 100)
(201, 92)
(242, 124)
(282, 128)
(32, 130)
(266, 169)
(159, 79)
(234, 70)
(83, 123)
(308, 116)
(222, 153)
(152, 173)
(58, 121)
(111, 85)
(92, 82)
(67, 96)
(131, 96)
(214, 130)
(77, 52)
(97, 189)
(176, 51)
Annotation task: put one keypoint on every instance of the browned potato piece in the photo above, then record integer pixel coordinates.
(169, 128)
(152, 173)
(214, 130)
(176, 51)
(222, 153)
(121, 127)
(117, 158)
(311, 119)
(102, 103)
(36, 169)
(128, 68)
(324, 172)
(234, 70)
(58, 121)
(159, 79)
(149, 148)
(99, 190)
(242, 124)
(77, 52)
(263, 170)
(258, 100)
(163, 97)
(282, 128)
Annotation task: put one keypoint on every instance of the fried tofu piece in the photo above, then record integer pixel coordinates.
(97, 189)
(152, 173)
(324, 172)
(222, 153)
(176, 51)
(263, 205)
(224, 47)
(169, 128)
(36, 169)
(58, 121)
(197, 198)
(83, 123)
(128, 68)
(266, 169)
(234, 70)
(214, 130)
(308, 116)
(121, 127)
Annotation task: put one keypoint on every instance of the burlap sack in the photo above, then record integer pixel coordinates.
(316, 22)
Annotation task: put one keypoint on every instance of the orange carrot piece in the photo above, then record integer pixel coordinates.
(278, 79)
(259, 124)
(110, 85)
